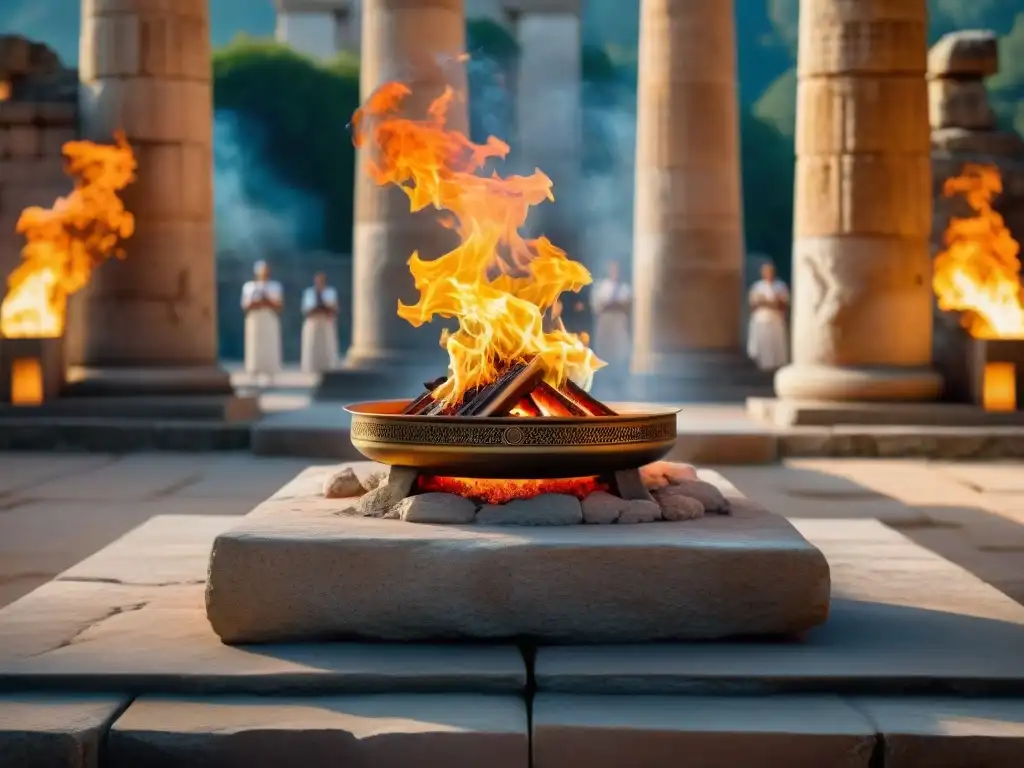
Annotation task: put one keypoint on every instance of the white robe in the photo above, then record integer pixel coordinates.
(611, 326)
(319, 332)
(262, 328)
(767, 333)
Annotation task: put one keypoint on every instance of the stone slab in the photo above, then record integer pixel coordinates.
(903, 620)
(300, 569)
(55, 730)
(936, 442)
(814, 413)
(946, 732)
(132, 618)
(113, 435)
(655, 731)
(230, 409)
(384, 731)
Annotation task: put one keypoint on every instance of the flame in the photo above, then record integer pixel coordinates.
(503, 491)
(5, 90)
(65, 243)
(495, 283)
(979, 272)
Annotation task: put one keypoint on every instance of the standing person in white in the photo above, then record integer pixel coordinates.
(319, 330)
(262, 301)
(768, 332)
(612, 303)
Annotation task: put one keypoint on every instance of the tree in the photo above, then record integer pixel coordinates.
(297, 111)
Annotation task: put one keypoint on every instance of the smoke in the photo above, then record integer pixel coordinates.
(256, 213)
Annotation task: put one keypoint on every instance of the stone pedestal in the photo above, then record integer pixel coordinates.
(548, 113)
(862, 298)
(151, 318)
(417, 43)
(688, 232)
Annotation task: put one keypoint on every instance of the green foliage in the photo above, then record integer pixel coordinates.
(488, 39)
(768, 173)
(777, 105)
(1006, 89)
(299, 111)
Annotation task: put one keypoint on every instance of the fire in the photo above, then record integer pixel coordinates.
(502, 491)
(65, 243)
(979, 272)
(495, 283)
(5, 90)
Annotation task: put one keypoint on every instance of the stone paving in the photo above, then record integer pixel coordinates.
(56, 509)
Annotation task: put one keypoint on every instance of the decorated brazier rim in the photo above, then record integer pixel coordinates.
(390, 411)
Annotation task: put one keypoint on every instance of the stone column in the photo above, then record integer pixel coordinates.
(688, 228)
(862, 298)
(548, 95)
(417, 42)
(150, 321)
(318, 28)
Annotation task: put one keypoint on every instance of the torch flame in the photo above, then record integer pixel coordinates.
(495, 283)
(65, 243)
(979, 272)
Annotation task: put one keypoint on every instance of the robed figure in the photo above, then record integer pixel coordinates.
(262, 301)
(611, 300)
(320, 327)
(768, 331)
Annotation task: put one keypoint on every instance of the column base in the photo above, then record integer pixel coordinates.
(95, 381)
(712, 376)
(381, 374)
(860, 384)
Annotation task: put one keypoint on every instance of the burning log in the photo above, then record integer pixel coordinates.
(551, 402)
(425, 400)
(527, 407)
(500, 398)
(584, 400)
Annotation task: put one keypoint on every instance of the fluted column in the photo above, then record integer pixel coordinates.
(862, 298)
(417, 42)
(688, 229)
(151, 318)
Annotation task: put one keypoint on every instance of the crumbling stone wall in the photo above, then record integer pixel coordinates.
(39, 112)
(964, 130)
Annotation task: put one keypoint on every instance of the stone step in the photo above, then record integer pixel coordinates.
(120, 435)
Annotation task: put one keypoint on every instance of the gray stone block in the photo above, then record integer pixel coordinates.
(698, 732)
(387, 731)
(299, 569)
(55, 730)
(903, 620)
(948, 732)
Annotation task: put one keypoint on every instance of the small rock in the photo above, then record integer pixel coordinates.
(602, 508)
(380, 502)
(640, 512)
(374, 480)
(969, 52)
(436, 508)
(343, 484)
(659, 474)
(713, 500)
(678, 508)
(545, 509)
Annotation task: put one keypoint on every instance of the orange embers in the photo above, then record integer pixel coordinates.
(65, 243)
(979, 272)
(502, 491)
(495, 283)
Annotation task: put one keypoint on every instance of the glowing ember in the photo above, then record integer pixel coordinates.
(979, 272)
(65, 243)
(502, 491)
(495, 283)
(5, 90)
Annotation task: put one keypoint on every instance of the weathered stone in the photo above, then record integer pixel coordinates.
(888, 623)
(639, 511)
(384, 731)
(963, 141)
(966, 53)
(677, 508)
(334, 576)
(544, 509)
(661, 473)
(381, 500)
(373, 480)
(603, 508)
(782, 732)
(55, 730)
(712, 500)
(436, 508)
(959, 104)
(946, 732)
(343, 484)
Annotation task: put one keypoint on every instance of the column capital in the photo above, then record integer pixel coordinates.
(542, 7)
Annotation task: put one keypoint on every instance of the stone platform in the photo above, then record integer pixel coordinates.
(816, 413)
(114, 664)
(299, 568)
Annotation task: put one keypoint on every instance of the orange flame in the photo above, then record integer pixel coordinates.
(5, 90)
(503, 491)
(979, 272)
(65, 243)
(495, 283)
